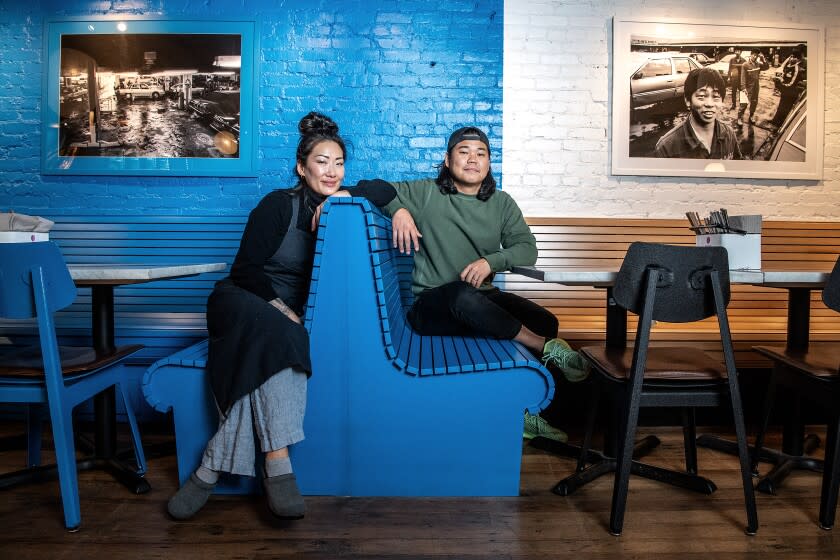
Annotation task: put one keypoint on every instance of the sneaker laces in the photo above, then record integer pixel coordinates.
(560, 356)
(536, 425)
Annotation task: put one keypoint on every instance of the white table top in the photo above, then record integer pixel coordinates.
(86, 274)
(602, 278)
(795, 278)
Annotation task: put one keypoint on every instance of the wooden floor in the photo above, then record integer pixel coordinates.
(661, 521)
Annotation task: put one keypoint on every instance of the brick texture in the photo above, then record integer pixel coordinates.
(557, 90)
(397, 76)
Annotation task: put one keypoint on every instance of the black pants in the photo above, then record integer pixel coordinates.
(458, 309)
(786, 100)
(736, 88)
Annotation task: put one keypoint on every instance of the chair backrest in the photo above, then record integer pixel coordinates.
(19, 262)
(683, 291)
(831, 290)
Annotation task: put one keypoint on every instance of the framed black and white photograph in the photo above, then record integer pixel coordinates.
(145, 97)
(700, 99)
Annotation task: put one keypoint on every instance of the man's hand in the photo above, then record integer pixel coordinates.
(404, 231)
(316, 217)
(285, 309)
(476, 272)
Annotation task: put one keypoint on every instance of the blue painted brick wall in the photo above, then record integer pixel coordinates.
(397, 75)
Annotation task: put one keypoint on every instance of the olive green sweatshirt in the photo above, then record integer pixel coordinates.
(458, 229)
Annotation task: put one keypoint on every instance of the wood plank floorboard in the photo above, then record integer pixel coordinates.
(661, 521)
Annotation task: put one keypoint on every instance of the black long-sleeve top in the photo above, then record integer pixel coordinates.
(269, 221)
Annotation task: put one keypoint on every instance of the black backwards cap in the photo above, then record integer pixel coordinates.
(703, 77)
(467, 133)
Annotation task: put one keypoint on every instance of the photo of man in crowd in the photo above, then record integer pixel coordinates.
(746, 97)
(701, 135)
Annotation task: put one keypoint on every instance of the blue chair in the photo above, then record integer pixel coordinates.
(35, 283)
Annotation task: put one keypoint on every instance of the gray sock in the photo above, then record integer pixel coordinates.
(276, 467)
(190, 498)
(284, 499)
(207, 475)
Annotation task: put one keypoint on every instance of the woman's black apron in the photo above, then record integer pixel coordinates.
(251, 340)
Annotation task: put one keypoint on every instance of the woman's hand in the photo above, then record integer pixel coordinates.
(476, 272)
(405, 232)
(285, 309)
(316, 217)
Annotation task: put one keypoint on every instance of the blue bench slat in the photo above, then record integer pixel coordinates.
(166, 239)
(427, 362)
(439, 356)
(501, 351)
(402, 349)
(453, 364)
(465, 360)
(486, 345)
(478, 360)
(414, 349)
(150, 257)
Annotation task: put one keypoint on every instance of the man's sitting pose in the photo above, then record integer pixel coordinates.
(463, 231)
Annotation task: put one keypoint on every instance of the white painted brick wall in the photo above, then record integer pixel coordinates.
(557, 115)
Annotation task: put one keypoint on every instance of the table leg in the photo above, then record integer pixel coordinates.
(799, 318)
(104, 404)
(102, 318)
(616, 322)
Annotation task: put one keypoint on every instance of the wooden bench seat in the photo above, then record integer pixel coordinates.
(757, 315)
(389, 412)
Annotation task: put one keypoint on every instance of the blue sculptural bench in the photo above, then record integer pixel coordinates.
(389, 412)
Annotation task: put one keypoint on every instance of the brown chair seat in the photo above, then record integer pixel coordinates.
(821, 359)
(25, 362)
(665, 363)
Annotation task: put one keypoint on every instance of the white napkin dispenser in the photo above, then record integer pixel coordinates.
(744, 249)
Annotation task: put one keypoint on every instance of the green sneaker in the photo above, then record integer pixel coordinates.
(558, 352)
(535, 426)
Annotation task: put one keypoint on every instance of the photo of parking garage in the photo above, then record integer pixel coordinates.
(150, 95)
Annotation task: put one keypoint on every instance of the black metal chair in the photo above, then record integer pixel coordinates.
(812, 373)
(669, 284)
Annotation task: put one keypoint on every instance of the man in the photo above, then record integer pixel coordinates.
(470, 231)
(701, 135)
(736, 64)
(750, 83)
(790, 85)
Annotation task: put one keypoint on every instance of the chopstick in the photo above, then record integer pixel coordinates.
(717, 222)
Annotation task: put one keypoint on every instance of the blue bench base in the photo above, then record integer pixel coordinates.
(389, 412)
(418, 441)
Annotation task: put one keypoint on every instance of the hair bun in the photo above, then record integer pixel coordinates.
(317, 123)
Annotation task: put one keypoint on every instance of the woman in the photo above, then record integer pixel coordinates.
(258, 360)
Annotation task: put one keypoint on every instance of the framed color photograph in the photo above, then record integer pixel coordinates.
(144, 97)
(700, 99)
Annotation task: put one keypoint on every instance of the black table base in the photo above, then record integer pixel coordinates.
(127, 476)
(783, 463)
(102, 450)
(600, 464)
(105, 452)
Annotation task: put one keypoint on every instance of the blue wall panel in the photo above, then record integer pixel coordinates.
(397, 76)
